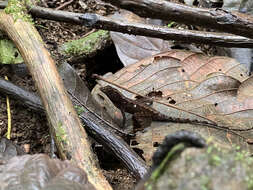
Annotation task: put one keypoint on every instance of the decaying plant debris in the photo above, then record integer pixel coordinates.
(184, 85)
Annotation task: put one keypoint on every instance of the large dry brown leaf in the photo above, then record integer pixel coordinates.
(132, 48)
(216, 88)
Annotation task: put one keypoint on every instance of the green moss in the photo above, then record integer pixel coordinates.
(209, 149)
(171, 155)
(170, 24)
(189, 158)
(240, 156)
(237, 147)
(84, 45)
(61, 134)
(18, 10)
(215, 160)
(9, 53)
(205, 182)
(249, 181)
(249, 160)
(79, 109)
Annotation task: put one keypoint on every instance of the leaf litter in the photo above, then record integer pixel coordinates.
(202, 88)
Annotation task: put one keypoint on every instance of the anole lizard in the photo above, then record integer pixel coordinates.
(143, 114)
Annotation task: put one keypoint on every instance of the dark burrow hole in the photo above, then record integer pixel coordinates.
(105, 61)
(107, 160)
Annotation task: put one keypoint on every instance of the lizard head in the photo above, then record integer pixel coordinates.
(112, 93)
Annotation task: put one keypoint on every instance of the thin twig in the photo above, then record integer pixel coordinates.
(186, 36)
(64, 5)
(97, 21)
(9, 114)
(219, 19)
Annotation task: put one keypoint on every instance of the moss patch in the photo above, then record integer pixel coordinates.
(18, 10)
(61, 134)
(79, 109)
(84, 45)
(9, 53)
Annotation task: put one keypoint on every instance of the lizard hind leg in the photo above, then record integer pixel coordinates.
(140, 122)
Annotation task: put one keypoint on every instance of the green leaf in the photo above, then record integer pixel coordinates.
(9, 53)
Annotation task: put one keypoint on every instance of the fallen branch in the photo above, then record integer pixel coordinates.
(231, 22)
(64, 5)
(24, 97)
(95, 127)
(190, 36)
(186, 36)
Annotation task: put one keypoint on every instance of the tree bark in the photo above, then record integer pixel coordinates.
(231, 22)
(186, 36)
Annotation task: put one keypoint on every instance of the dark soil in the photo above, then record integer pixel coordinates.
(29, 129)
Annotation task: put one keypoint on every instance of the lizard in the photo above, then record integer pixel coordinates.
(143, 114)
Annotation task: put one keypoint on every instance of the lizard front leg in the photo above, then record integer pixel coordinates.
(141, 121)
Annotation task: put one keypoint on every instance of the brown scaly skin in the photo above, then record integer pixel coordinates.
(143, 114)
